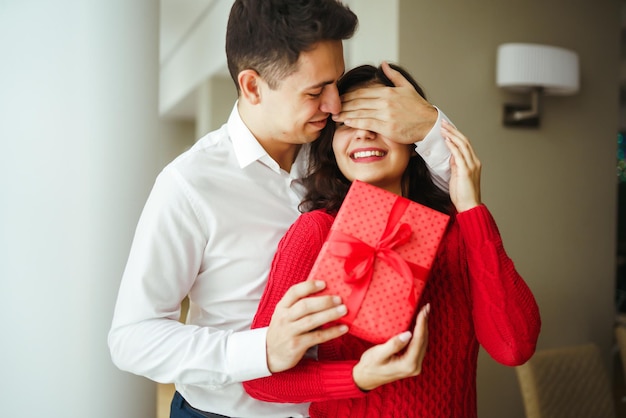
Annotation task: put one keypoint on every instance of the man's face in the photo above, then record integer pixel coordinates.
(297, 111)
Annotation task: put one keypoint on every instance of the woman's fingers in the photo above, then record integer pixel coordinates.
(460, 146)
(465, 169)
(388, 362)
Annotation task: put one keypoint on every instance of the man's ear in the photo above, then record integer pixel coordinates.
(250, 83)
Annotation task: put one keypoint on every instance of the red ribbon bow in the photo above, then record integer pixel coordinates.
(360, 258)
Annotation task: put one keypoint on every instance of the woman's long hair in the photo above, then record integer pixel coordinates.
(325, 184)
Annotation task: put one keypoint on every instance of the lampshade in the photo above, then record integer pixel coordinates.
(522, 67)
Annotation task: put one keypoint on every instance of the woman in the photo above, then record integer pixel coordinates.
(473, 296)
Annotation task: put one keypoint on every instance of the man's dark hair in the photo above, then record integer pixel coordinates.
(326, 186)
(269, 35)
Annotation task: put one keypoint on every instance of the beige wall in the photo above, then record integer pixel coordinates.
(552, 190)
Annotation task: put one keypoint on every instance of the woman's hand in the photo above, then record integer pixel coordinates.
(384, 363)
(465, 169)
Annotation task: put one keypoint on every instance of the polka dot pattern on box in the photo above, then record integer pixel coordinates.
(390, 303)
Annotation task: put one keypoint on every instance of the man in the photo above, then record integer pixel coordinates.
(215, 215)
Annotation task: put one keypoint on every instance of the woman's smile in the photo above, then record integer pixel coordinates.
(366, 155)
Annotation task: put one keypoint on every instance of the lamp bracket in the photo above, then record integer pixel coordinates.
(524, 115)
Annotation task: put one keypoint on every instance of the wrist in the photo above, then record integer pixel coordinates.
(360, 381)
(467, 206)
(429, 117)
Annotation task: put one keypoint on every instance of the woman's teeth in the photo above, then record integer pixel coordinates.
(365, 154)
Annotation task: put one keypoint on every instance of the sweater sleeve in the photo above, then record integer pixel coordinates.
(310, 380)
(505, 314)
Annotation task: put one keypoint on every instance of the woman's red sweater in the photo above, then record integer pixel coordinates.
(476, 296)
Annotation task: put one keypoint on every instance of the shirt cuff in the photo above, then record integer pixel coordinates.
(247, 354)
(435, 153)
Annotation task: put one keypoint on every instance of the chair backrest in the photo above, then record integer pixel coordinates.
(620, 337)
(569, 382)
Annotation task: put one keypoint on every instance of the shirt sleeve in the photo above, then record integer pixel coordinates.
(436, 154)
(310, 380)
(146, 337)
(505, 313)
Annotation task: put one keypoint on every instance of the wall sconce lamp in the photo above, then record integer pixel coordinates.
(534, 69)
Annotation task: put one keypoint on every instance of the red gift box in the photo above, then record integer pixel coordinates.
(377, 257)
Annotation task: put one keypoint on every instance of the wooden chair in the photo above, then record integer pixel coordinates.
(620, 338)
(568, 382)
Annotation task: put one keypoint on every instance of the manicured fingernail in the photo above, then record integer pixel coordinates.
(405, 336)
(336, 300)
(342, 309)
(319, 284)
(343, 328)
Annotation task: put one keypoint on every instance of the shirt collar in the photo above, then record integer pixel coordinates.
(298, 169)
(247, 148)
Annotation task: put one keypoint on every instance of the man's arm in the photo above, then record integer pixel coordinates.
(146, 337)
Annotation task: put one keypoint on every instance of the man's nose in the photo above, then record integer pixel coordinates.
(331, 103)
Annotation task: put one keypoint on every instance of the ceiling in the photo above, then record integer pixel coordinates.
(177, 19)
